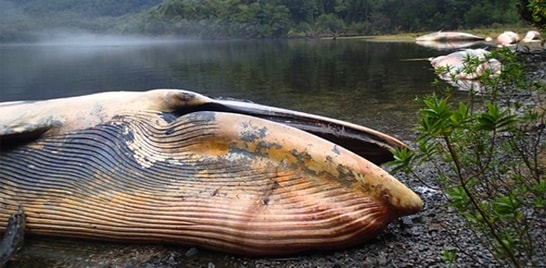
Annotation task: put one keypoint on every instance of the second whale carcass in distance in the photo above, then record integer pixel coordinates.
(508, 38)
(174, 166)
(451, 36)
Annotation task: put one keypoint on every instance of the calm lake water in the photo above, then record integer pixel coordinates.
(368, 83)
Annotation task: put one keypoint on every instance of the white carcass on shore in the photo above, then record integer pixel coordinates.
(457, 66)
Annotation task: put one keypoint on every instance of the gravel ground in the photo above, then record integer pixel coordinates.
(415, 241)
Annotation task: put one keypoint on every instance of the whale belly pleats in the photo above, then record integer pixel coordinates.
(225, 181)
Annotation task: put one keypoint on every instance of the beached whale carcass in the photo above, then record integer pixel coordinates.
(174, 166)
(508, 38)
(454, 65)
(451, 36)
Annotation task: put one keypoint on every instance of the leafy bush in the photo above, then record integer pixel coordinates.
(489, 154)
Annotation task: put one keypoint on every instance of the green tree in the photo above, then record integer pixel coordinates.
(533, 11)
(330, 23)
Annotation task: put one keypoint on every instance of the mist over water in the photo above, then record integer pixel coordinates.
(82, 38)
(61, 37)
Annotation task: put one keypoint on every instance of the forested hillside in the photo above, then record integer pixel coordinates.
(21, 20)
(257, 18)
(87, 8)
(279, 18)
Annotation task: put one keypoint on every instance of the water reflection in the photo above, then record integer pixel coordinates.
(474, 86)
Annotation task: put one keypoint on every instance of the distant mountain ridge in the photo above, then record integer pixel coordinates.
(87, 8)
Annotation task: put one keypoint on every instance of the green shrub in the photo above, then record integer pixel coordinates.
(488, 152)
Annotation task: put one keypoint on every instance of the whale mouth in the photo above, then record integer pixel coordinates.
(370, 144)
